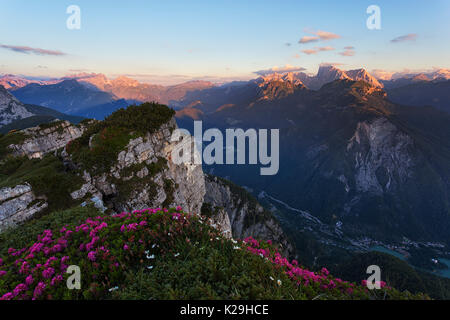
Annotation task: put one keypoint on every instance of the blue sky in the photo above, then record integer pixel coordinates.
(174, 41)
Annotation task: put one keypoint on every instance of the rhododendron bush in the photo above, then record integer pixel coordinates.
(160, 254)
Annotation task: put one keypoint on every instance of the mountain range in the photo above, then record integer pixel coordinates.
(363, 161)
(16, 115)
(349, 156)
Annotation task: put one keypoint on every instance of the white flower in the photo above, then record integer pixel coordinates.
(176, 255)
(236, 247)
(154, 245)
(271, 278)
(279, 282)
(234, 241)
(151, 257)
(113, 289)
(150, 267)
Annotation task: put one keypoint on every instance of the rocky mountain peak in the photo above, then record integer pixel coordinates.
(11, 109)
(275, 85)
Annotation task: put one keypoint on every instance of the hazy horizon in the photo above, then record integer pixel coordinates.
(171, 43)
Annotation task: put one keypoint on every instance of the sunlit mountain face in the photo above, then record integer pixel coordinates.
(358, 104)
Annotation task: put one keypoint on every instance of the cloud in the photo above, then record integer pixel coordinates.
(296, 56)
(309, 51)
(28, 50)
(382, 74)
(347, 53)
(319, 35)
(78, 70)
(334, 64)
(349, 48)
(286, 68)
(408, 37)
(324, 35)
(326, 48)
(308, 39)
(287, 44)
(317, 50)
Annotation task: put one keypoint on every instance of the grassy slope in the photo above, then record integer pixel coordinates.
(159, 255)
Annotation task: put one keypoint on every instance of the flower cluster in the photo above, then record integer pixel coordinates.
(105, 248)
(321, 281)
(99, 246)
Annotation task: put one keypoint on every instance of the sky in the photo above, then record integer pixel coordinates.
(168, 42)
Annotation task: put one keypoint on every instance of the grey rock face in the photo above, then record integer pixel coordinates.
(245, 217)
(187, 180)
(11, 109)
(381, 155)
(41, 141)
(174, 184)
(17, 205)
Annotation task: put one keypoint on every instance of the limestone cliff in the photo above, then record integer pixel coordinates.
(11, 109)
(239, 213)
(144, 176)
(140, 175)
(46, 138)
(17, 205)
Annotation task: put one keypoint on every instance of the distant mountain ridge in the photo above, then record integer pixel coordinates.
(347, 154)
(16, 115)
(68, 96)
(127, 88)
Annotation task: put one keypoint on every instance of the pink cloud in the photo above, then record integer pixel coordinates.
(317, 50)
(347, 53)
(286, 68)
(324, 35)
(308, 39)
(408, 37)
(309, 51)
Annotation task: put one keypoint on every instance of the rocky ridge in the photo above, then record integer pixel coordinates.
(142, 176)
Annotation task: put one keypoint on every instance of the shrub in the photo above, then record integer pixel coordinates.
(48, 178)
(162, 254)
(110, 136)
(30, 229)
(8, 139)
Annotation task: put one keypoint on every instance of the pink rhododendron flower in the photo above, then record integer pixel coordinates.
(48, 273)
(91, 256)
(39, 290)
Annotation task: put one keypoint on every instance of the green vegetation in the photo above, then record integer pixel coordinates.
(53, 124)
(8, 139)
(25, 123)
(394, 271)
(158, 254)
(48, 177)
(130, 183)
(30, 229)
(169, 189)
(98, 148)
(209, 210)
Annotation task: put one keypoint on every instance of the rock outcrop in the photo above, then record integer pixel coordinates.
(144, 176)
(41, 140)
(17, 205)
(382, 156)
(244, 215)
(11, 109)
